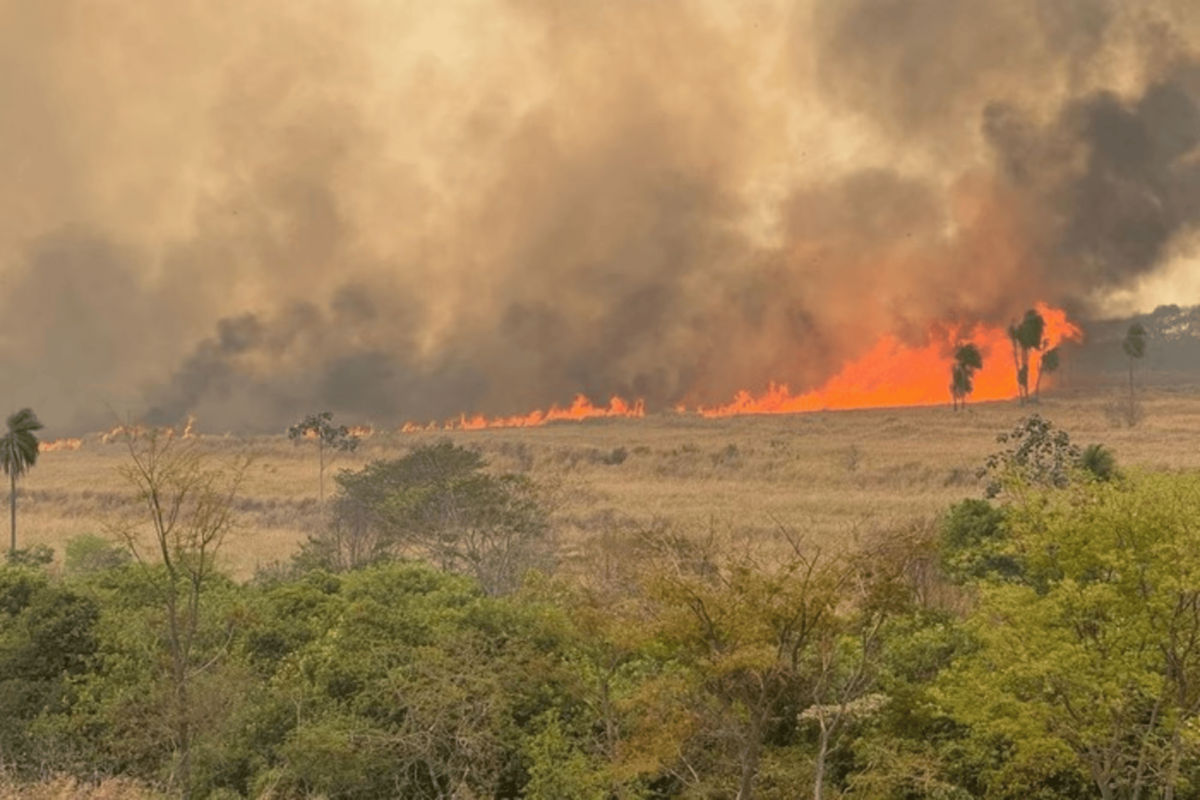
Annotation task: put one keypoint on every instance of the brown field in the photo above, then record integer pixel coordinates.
(830, 476)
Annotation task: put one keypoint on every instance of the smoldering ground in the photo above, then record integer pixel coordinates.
(249, 212)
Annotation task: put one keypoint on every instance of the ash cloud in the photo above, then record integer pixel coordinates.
(252, 213)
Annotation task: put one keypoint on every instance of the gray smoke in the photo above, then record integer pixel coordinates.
(250, 212)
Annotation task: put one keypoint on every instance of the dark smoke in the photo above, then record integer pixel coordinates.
(250, 212)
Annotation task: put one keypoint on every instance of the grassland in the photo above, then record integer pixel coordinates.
(832, 476)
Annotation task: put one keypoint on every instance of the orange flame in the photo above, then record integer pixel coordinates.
(59, 444)
(890, 374)
(136, 431)
(579, 410)
(360, 431)
(895, 374)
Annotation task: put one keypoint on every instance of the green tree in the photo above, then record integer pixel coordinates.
(336, 438)
(1025, 337)
(18, 454)
(1134, 346)
(1092, 664)
(397, 681)
(771, 643)
(440, 504)
(47, 639)
(967, 359)
(189, 505)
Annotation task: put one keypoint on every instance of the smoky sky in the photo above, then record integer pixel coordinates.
(253, 211)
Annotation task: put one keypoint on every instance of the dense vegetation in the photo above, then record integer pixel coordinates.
(1041, 643)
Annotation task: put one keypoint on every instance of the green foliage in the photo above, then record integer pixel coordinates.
(19, 446)
(1100, 462)
(88, 553)
(974, 543)
(558, 768)
(47, 637)
(397, 681)
(439, 503)
(38, 555)
(1089, 673)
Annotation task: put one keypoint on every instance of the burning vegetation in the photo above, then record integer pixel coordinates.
(723, 207)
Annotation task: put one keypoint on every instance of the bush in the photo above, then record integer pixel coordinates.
(38, 555)
(89, 553)
(1100, 462)
(439, 503)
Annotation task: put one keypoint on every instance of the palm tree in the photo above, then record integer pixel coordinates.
(1025, 337)
(1134, 346)
(967, 359)
(18, 453)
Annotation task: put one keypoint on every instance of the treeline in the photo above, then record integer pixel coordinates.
(1044, 643)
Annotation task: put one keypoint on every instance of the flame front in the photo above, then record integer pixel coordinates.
(890, 374)
(59, 444)
(895, 374)
(579, 410)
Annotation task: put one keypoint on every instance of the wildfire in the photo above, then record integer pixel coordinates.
(59, 444)
(895, 374)
(890, 374)
(579, 410)
(120, 432)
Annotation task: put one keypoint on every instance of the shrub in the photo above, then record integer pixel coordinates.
(38, 555)
(1099, 461)
(89, 553)
(439, 503)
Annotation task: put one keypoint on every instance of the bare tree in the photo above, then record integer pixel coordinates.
(187, 506)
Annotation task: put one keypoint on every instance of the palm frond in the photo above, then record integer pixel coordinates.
(19, 447)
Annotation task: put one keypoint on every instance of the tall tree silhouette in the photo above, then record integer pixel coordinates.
(1025, 337)
(18, 454)
(1134, 346)
(967, 359)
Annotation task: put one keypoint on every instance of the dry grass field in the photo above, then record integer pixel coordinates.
(831, 476)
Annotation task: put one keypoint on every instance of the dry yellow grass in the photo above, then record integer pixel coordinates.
(67, 788)
(829, 476)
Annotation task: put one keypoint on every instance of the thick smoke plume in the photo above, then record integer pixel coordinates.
(252, 211)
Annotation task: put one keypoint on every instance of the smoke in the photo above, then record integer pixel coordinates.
(250, 212)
